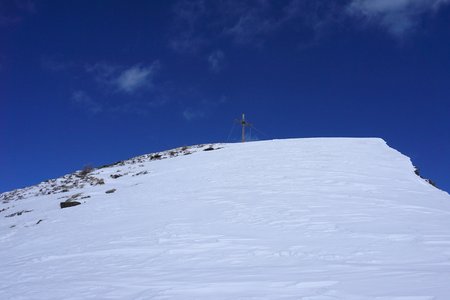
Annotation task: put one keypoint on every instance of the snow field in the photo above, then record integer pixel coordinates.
(311, 219)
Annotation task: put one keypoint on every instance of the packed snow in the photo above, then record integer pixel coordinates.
(311, 219)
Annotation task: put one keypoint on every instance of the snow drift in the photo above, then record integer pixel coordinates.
(312, 219)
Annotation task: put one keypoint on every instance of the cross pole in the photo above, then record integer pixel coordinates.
(243, 124)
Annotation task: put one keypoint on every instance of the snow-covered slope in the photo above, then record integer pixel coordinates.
(312, 219)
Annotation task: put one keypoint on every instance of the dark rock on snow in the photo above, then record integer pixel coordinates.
(69, 204)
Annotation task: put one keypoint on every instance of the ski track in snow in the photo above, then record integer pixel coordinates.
(310, 219)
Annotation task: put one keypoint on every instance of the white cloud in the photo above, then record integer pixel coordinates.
(126, 80)
(135, 78)
(216, 60)
(398, 17)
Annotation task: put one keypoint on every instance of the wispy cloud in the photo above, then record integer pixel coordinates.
(14, 12)
(28, 6)
(398, 17)
(201, 25)
(118, 88)
(56, 65)
(191, 114)
(103, 73)
(83, 100)
(198, 24)
(6, 20)
(2, 61)
(216, 61)
(187, 16)
(248, 22)
(203, 108)
(127, 80)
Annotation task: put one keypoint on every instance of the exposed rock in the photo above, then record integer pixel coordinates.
(85, 171)
(87, 176)
(141, 173)
(110, 191)
(18, 213)
(155, 156)
(69, 204)
(74, 196)
(417, 172)
(111, 165)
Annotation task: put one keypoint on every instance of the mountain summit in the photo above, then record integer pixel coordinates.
(312, 219)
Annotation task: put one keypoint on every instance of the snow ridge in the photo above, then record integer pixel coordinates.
(79, 179)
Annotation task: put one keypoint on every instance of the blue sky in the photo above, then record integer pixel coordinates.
(93, 82)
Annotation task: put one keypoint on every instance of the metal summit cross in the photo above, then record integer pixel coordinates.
(243, 124)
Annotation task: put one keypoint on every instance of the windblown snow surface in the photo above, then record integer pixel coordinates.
(311, 219)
